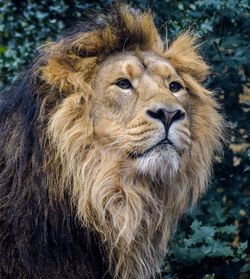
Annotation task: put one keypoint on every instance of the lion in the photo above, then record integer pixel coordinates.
(105, 142)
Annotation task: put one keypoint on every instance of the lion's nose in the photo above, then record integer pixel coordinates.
(167, 117)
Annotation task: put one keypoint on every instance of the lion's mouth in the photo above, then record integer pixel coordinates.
(165, 143)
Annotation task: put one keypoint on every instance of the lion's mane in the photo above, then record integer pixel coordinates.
(65, 212)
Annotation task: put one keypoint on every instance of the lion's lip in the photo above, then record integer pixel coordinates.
(135, 155)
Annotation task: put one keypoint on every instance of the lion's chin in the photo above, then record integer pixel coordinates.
(161, 163)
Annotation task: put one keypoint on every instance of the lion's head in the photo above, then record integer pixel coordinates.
(133, 132)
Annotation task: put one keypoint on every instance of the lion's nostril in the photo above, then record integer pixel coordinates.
(179, 115)
(167, 117)
(159, 114)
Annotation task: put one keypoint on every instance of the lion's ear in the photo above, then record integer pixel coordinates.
(68, 73)
(183, 55)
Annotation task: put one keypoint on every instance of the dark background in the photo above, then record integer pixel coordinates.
(211, 241)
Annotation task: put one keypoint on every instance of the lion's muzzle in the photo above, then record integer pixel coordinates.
(167, 116)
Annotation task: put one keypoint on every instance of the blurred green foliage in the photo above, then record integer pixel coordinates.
(212, 239)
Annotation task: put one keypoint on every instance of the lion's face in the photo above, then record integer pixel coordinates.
(140, 110)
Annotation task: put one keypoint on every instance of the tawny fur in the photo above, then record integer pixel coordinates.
(134, 212)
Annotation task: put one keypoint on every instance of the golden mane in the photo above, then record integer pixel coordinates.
(133, 216)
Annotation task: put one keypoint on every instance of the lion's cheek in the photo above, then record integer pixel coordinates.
(105, 131)
(180, 136)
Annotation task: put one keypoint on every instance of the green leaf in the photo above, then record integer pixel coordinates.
(245, 268)
(228, 229)
(2, 49)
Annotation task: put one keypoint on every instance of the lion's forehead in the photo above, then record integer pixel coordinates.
(134, 65)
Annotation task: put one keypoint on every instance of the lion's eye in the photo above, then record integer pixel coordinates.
(124, 83)
(175, 86)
